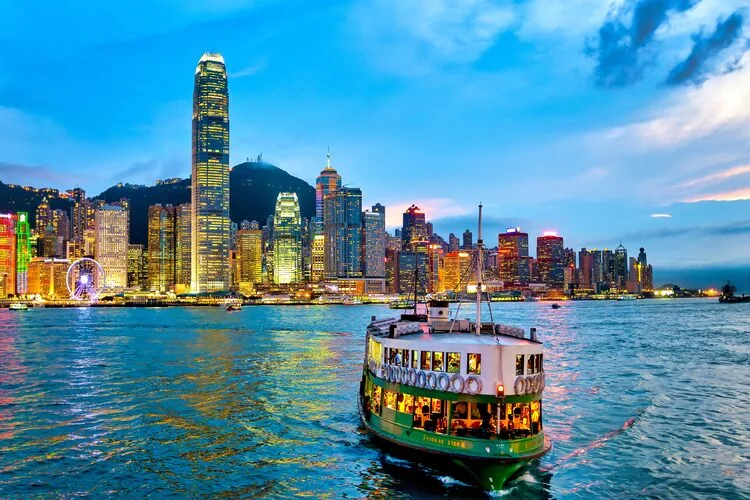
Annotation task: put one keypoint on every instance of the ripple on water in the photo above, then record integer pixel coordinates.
(644, 398)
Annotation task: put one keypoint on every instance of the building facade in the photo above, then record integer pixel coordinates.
(210, 177)
(513, 258)
(373, 242)
(328, 182)
(287, 240)
(161, 247)
(7, 255)
(250, 257)
(23, 252)
(414, 228)
(182, 258)
(111, 225)
(550, 254)
(343, 233)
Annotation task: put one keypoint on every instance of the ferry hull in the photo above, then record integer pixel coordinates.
(491, 474)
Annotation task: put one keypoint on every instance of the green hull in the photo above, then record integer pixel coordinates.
(488, 463)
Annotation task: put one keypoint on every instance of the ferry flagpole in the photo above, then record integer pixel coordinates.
(478, 327)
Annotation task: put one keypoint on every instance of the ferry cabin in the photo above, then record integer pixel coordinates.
(423, 384)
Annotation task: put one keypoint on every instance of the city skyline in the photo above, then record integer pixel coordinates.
(580, 158)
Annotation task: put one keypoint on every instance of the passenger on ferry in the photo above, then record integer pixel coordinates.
(397, 359)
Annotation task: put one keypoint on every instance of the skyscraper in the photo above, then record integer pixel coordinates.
(457, 271)
(453, 244)
(137, 267)
(373, 241)
(161, 247)
(550, 256)
(43, 216)
(23, 253)
(586, 268)
(343, 233)
(468, 237)
(111, 248)
(513, 257)
(621, 267)
(328, 182)
(7, 255)
(182, 268)
(210, 177)
(250, 256)
(414, 227)
(287, 240)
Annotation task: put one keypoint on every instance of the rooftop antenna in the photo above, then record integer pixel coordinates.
(328, 158)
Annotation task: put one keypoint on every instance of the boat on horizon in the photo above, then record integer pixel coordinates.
(728, 295)
(18, 306)
(463, 397)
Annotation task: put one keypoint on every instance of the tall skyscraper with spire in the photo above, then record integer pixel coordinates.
(210, 177)
(328, 182)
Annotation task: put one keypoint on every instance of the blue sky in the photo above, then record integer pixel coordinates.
(580, 116)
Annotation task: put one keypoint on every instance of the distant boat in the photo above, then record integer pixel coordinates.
(626, 297)
(351, 301)
(728, 296)
(401, 304)
(555, 306)
(18, 306)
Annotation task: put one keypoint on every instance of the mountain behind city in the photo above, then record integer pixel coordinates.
(253, 188)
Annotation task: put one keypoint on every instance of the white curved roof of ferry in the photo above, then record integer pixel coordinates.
(465, 338)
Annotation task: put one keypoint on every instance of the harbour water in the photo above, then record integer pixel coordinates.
(643, 398)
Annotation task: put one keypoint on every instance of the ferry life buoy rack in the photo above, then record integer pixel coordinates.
(431, 380)
(457, 383)
(473, 385)
(443, 382)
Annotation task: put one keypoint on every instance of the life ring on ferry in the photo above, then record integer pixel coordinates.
(542, 382)
(529, 384)
(457, 383)
(473, 381)
(397, 377)
(520, 386)
(443, 382)
(535, 384)
(391, 373)
(431, 380)
(421, 379)
(412, 376)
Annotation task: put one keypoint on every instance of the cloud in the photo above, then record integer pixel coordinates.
(621, 51)
(733, 195)
(412, 37)
(14, 173)
(253, 69)
(661, 216)
(718, 176)
(434, 208)
(735, 228)
(705, 48)
(719, 105)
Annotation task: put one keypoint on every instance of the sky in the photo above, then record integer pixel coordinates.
(624, 121)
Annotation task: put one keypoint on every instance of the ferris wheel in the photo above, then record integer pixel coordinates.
(85, 279)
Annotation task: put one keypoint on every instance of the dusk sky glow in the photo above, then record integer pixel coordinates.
(606, 122)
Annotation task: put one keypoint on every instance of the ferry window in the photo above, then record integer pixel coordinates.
(516, 420)
(406, 357)
(460, 410)
(376, 351)
(541, 362)
(426, 360)
(530, 364)
(390, 399)
(519, 364)
(437, 361)
(454, 362)
(475, 364)
(375, 399)
(414, 359)
(536, 414)
(430, 414)
(406, 403)
(386, 355)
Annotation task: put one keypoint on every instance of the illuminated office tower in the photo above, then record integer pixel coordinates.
(513, 257)
(79, 221)
(318, 258)
(408, 262)
(137, 267)
(43, 216)
(373, 241)
(250, 257)
(457, 271)
(183, 219)
(23, 253)
(621, 267)
(550, 257)
(7, 255)
(287, 240)
(111, 225)
(343, 233)
(468, 240)
(328, 182)
(586, 268)
(453, 244)
(61, 228)
(161, 247)
(210, 177)
(414, 228)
